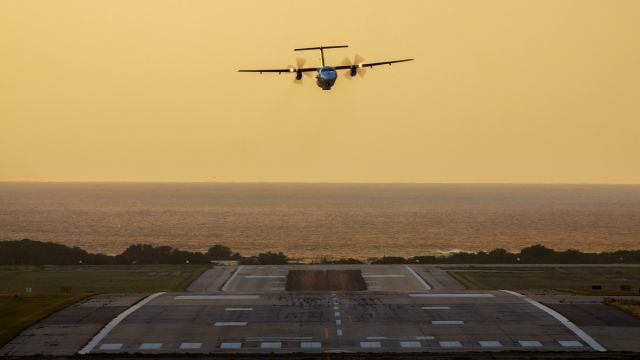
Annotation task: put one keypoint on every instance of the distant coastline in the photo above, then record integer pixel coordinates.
(32, 252)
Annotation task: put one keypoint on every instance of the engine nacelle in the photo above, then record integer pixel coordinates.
(298, 75)
(354, 70)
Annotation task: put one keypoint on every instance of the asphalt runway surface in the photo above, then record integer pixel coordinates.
(404, 309)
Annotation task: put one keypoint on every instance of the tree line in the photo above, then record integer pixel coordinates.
(31, 252)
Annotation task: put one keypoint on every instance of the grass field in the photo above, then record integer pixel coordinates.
(577, 280)
(97, 279)
(18, 313)
(56, 287)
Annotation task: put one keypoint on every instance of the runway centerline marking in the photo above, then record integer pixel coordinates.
(113, 323)
(233, 276)
(383, 276)
(571, 326)
(230, 345)
(110, 347)
(230, 323)
(424, 284)
(190, 346)
(410, 344)
(264, 277)
(238, 309)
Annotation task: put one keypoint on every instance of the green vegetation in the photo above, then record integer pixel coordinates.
(97, 278)
(579, 280)
(18, 312)
(29, 252)
(56, 287)
(629, 306)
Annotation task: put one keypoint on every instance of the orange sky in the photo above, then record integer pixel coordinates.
(501, 91)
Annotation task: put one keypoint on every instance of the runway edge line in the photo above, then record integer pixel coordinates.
(424, 284)
(113, 323)
(233, 276)
(566, 322)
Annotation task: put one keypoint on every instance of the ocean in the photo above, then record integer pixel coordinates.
(312, 220)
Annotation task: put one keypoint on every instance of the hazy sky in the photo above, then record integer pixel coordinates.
(501, 91)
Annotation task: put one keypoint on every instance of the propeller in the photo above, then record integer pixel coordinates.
(299, 65)
(356, 66)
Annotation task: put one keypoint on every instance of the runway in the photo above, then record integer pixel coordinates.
(400, 311)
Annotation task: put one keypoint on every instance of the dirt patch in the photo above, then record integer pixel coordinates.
(323, 280)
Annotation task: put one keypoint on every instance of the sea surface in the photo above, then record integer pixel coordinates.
(312, 220)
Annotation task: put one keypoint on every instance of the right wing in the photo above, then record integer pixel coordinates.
(279, 71)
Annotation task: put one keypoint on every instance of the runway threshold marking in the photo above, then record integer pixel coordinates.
(113, 323)
(419, 278)
(225, 287)
(370, 344)
(464, 295)
(490, 343)
(410, 344)
(150, 346)
(310, 345)
(230, 345)
(184, 346)
(110, 347)
(450, 344)
(566, 322)
(530, 343)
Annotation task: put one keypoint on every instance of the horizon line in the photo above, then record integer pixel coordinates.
(307, 182)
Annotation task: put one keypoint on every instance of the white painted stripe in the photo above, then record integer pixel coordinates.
(570, 343)
(374, 287)
(464, 295)
(264, 276)
(150, 346)
(450, 344)
(336, 308)
(490, 343)
(216, 297)
(419, 278)
(190, 346)
(110, 347)
(113, 323)
(231, 323)
(338, 322)
(271, 345)
(277, 338)
(571, 326)
(238, 309)
(339, 332)
(336, 314)
(400, 337)
(447, 322)
(370, 344)
(383, 276)
(410, 344)
(233, 276)
(529, 343)
(435, 308)
(277, 289)
(310, 345)
(230, 345)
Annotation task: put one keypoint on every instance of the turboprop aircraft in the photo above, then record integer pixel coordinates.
(326, 75)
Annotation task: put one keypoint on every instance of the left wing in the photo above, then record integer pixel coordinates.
(370, 65)
(279, 71)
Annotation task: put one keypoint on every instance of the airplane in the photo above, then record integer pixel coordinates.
(326, 75)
